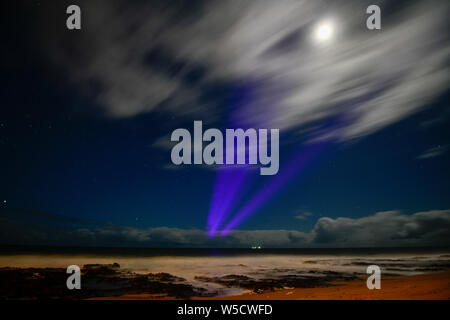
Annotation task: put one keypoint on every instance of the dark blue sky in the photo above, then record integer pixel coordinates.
(62, 153)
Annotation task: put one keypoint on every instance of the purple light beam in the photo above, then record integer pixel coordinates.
(270, 189)
(227, 185)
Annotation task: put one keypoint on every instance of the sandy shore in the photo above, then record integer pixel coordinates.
(434, 286)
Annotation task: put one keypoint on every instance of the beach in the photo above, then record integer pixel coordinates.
(434, 286)
(227, 274)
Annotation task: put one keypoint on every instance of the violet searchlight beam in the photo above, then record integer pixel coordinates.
(226, 193)
(297, 163)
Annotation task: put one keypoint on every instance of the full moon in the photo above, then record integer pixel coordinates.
(324, 31)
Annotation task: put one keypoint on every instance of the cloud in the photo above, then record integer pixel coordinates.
(303, 215)
(390, 228)
(433, 152)
(383, 229)
(163, 57)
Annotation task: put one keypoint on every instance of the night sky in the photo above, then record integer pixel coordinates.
(86, 118)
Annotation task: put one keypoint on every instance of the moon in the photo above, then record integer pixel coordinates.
(324, 31)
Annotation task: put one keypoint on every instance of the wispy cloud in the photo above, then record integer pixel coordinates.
(165, 55)
(303, 215)
(433, 152)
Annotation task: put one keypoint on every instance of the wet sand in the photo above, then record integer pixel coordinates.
(433, 286)
(419, 287)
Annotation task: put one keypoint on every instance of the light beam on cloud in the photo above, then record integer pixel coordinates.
(326, 136)
(231, 183)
